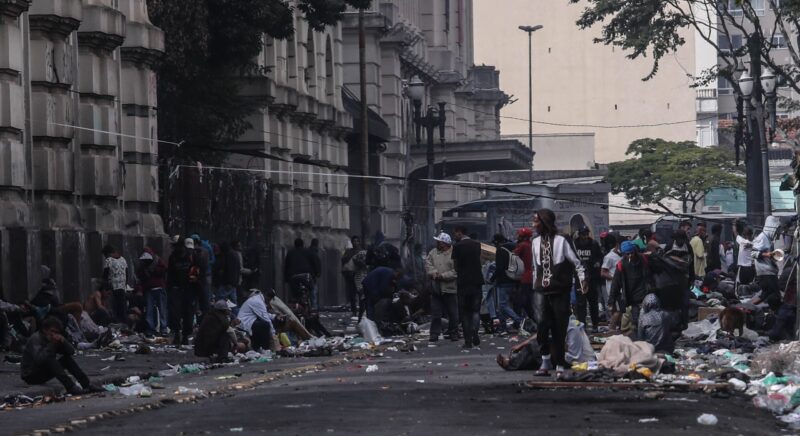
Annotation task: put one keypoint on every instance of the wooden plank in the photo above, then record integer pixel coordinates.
(625, 386)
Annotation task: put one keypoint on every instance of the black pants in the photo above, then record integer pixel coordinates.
(351, 291)
(101, 317)
(444, 304)
(555, 320)
(119, 305)
(523, 301)
(746, 274)
(770, 291)
(262, 335)
(469, 308)
(590, 299)
(51, 368)
(181, 310)
(220, 348)
(784, 323)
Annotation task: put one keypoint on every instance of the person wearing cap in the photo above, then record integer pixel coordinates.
(525, 294)
(151, 275)
(631, 283)
(588, 250)
(442, 273)
(183, 273)
(607, 270)
(212, 339)
(115, 275)
(555, 266)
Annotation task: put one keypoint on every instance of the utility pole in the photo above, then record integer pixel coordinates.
(366, 209)
(529, 30)
(754, 47)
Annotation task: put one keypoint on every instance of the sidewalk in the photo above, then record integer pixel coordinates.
(99, 371)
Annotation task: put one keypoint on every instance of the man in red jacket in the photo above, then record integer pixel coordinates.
(525, 292)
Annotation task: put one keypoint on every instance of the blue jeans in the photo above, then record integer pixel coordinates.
(504, 297)
(490, 298)
(157, 300)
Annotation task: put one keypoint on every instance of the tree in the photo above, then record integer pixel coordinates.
(210, 44)
(681, 171)
(653, 27)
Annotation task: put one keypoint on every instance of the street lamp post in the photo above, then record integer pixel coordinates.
(433, 119)
(529, 30)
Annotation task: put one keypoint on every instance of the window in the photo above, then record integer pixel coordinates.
(735, 7)
(730, 42)
(724, 86)
(779, 42)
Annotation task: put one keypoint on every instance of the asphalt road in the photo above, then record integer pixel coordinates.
(435, 391)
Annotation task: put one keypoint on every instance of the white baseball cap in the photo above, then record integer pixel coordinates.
(189, 243)
(146, 256)
(444, 238)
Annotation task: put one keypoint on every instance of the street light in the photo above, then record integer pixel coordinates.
(746, 84)
(768, 82)
(529, 30)
(434, 119)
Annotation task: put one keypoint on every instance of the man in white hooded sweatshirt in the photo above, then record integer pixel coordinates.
(765, 265)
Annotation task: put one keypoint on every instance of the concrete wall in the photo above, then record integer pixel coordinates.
(76, 77)
(577, 82)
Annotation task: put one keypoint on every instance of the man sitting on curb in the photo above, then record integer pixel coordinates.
(40, 361)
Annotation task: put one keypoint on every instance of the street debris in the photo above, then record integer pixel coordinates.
(707, 419)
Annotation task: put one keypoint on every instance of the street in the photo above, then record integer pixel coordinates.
(434, 390)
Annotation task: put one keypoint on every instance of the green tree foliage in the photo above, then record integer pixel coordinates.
(681, 171)
(654, 28)
(209, 45)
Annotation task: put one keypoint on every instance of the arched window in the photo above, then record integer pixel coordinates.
(311, 62)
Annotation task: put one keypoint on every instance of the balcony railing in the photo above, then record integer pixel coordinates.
(707, 93)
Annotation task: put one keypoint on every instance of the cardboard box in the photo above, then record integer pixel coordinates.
(705, 312)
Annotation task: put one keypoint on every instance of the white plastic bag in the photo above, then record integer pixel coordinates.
(579, 347)
(369, 330)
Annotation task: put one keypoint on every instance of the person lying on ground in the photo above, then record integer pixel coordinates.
(524, 356)
(48, 354)
(212, 338)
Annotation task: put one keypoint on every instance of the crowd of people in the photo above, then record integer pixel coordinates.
(640, 286)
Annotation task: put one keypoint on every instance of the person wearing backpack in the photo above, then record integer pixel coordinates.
(588, 250)
(525, 289)
(442, 272)
(506, 278)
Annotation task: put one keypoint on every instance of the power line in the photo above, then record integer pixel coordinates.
(593, 126)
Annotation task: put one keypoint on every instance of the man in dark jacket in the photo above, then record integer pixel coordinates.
(467, 261)
(41, 361)
(630, 284)
(592, 259)
(183, 273)
(151, 275)
(298, 270)
(503, 284)
(212, 336)
(713, 258)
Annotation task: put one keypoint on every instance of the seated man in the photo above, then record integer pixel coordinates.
(379, 284)
(41, 361)
(82, 330)
(212, 339)
(655, 325)
(95, 306)
(257, 322)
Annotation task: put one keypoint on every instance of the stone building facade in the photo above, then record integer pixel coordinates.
(78, 145)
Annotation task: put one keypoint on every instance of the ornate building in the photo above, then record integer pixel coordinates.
(78, 140)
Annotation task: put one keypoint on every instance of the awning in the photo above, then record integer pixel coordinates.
(378, 128)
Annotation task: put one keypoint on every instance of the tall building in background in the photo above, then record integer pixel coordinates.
(78, 143)
(578, 84)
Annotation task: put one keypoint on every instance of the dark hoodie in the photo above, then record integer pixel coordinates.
(655, 325)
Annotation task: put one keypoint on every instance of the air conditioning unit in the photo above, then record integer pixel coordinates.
(712, 209)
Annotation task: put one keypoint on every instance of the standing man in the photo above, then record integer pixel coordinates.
(115, 275)
(714, 259)
(766, 267)
(349, 268)
(442, 273)
(523, 250)
(607, 270)
(698, 244)
(467, 261)
(744, 261)
(203, 258)
(182, 275)
(504, 284)
(151, 275)
(588, 250)
(555, 265)
(630, 284)
(298, 270)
